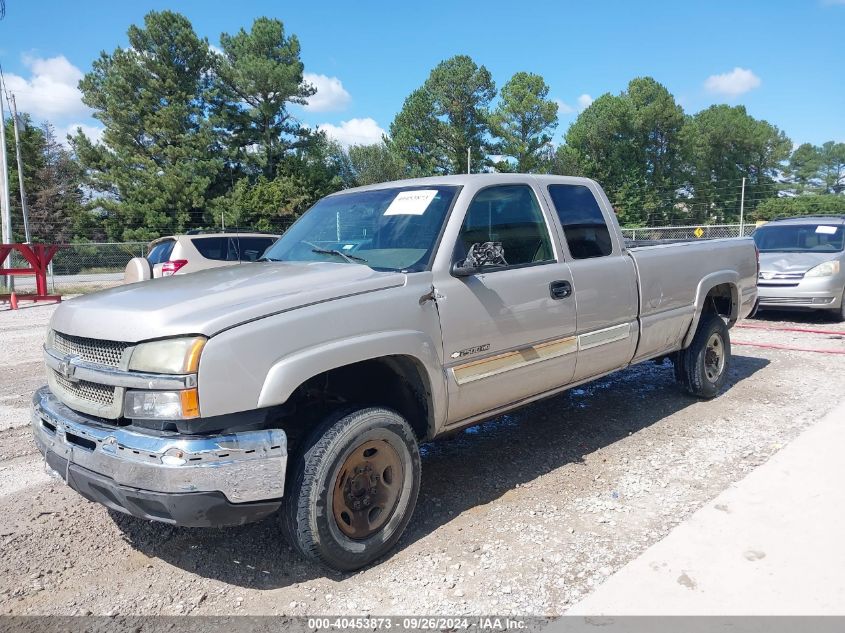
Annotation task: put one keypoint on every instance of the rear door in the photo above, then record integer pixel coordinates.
(603, 275)
(508, 331)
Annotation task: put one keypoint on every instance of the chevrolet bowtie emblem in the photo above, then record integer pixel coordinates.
(66, 367)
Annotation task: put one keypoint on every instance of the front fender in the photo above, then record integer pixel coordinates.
(707, 284)
(291, 371)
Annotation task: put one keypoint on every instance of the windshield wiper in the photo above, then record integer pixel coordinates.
(333, 251)
(268, 259)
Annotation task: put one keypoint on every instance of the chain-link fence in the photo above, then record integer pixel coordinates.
(79, 268)
(690, 232)
(82, 267)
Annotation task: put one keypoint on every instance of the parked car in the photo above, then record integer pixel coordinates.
(181, 254)
(388, 315)
(802, 264)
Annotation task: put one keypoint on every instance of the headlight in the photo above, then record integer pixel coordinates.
(169, 356)
(827, 269)
(161, 405)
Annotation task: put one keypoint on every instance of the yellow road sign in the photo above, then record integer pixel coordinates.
(698, 232)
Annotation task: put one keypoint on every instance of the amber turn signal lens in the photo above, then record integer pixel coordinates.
(190, 403)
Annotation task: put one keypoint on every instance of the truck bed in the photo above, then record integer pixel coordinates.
(671, 274)
(642, 243)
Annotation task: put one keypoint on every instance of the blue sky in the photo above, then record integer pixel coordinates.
(783, 60)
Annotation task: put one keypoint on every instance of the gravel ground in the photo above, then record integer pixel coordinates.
(522, 515)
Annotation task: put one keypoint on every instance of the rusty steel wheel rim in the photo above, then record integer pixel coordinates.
(714, 357)
(367, 489)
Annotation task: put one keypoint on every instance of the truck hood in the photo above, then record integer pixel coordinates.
(209, 301)
(793, 262)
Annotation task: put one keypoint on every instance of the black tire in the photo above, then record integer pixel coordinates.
(702, 368)
(839, 315)
(309, 506)
(678, 364)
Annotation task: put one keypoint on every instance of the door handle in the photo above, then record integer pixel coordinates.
(560, 289)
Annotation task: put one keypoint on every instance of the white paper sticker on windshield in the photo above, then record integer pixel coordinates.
(827, 230)
(411, 202)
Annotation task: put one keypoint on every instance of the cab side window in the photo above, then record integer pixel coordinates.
(504, 226)
(583, 223)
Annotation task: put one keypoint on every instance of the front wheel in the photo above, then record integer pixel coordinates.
(839, 314)
(702, 368)
(353, 488)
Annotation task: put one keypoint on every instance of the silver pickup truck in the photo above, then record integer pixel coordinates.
(386, 316)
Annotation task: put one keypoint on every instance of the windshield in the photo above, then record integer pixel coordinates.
(386, 229)
(800, 238)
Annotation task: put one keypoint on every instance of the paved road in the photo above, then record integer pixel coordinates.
(769, 545)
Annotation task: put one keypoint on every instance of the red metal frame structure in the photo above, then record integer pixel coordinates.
(38, 256)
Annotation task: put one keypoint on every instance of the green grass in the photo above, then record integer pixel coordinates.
(64, 290)
(98, 270)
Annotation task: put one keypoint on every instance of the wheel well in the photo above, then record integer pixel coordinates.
(721, 299)
(397, 382)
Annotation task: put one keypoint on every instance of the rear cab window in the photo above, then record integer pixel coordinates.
(583, 223)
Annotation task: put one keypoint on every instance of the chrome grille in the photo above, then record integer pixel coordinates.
(89, 349)
(86, 391)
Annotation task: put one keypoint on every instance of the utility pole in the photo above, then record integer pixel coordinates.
(4, 187)
(742, 210)
(24, 206)
(469, 158)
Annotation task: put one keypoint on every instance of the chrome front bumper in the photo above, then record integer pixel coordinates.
(244, 467)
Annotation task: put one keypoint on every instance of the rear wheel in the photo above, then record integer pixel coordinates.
(702, 368)
(353, 488)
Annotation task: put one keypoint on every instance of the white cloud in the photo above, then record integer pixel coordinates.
(331, 96)
(216, 50)
(93, 132)
(563, 107)
(51, 91)
(354, 132)
(584, 102)
(732, 84)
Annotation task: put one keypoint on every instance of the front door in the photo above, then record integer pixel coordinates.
(508, 330)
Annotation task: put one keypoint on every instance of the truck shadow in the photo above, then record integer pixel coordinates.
(469, 469)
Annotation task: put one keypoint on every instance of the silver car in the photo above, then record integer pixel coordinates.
(181, 254)
(802, 264)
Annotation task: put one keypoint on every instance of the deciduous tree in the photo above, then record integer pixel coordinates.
(631, 143)
(55, 202)
(724, 144)
(375, 163)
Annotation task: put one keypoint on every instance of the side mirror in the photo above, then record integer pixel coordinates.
(459, 270)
